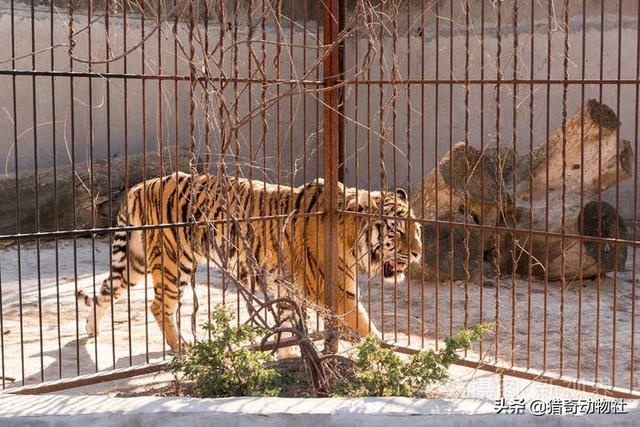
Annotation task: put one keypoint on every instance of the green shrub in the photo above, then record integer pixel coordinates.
(222, 367)
(381, 372)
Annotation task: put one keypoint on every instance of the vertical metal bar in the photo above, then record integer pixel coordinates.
(331, 134)
(532, 32)
(34, 113)
(514, 137)
(436, 123)
(225, 146)
(73, 183)
(341, 11)
(382, 168)
(250, 100)
(617, 198)
(190, 231)
(318, 51)
(221, 158)
(276, 63)
(110, 207)
(634, 282)
(15, 147)
(581, 254)
(409, 168)
(145, 199)
(176, 135)
(341, 154)
(17, 170)
(482, 148)
(422, 159)
(292, 117)
(125, 111)
(599, 260)
(236, 72)
(263, 98)
(369, 146)
(546, 214)
(55, 191)
(451, 225)
(305, 16)
(356, 117)
(565, 89)
(467, 89)
(394, 118)
(91, 176)
(499, 174)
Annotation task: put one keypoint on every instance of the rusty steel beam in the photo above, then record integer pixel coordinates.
(331, 140)
(90, 379)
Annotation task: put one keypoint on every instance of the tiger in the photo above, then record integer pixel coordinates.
(383, 239)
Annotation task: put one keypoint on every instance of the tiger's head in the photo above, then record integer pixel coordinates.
(388, 241)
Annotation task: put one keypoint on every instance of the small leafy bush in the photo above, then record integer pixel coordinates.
(381, 372)
(221, 367)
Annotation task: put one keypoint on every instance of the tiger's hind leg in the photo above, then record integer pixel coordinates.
(127, 269)
(169, 283)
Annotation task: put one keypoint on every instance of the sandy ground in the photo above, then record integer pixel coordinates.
(47, 341)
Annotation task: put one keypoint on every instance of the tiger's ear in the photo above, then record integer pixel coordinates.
(402, 195)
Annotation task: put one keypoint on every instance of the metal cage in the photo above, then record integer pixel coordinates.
(512, 125)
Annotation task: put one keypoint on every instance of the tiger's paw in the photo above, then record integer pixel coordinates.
(182, 347)
(373, 331)
(93, 320)
(362, 333)
(383, 341)
(91, 326)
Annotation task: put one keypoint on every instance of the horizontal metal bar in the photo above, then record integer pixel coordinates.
(68, 233)
(536, 375)
(444, 81)
(438, 81)
(90, 379)
(169, 77)
(449, 224)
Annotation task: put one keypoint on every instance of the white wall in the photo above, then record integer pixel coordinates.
(415, 120)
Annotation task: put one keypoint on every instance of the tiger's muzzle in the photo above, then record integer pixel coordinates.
(398, 264)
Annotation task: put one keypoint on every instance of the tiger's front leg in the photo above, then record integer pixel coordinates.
(354, 313)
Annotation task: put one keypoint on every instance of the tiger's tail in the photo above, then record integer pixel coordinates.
(119, 249)
(127, 268)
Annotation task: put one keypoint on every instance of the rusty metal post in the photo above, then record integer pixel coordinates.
(331, 140)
